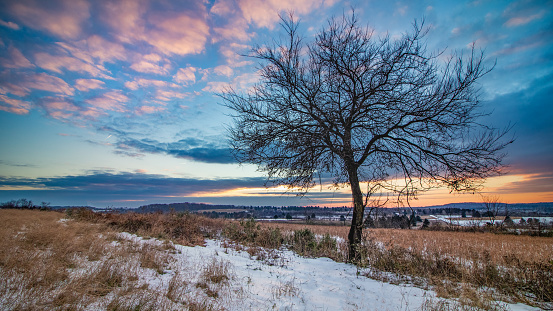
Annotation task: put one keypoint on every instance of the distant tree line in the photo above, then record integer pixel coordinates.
(25, 204)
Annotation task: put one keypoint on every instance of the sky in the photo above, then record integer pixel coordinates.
(114, 103)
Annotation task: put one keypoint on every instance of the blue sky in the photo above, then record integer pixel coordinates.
(113, 103)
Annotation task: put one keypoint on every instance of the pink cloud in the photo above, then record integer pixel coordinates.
(235, 29)
(110, 101)
(164, 95)
(11, 25)
(223, 70)
(64, 110)
(14, 89)
(264, 13)
(56, 63)
(179, 35)
(150, 109)
(63, 18)
(232, 54)
(215, 86)
(45, 82)
(186, 76)
(14, 105)
(523, 20)
(167, 29)
(152, 63)
(137, 83)
(236, 26)
(126, 18)
(16, 59)
(85, 85)
(95, 49)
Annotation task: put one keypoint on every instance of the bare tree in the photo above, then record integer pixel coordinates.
(493, 206)
(362, 109)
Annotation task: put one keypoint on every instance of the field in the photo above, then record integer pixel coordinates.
(80, 259)
(461, 245)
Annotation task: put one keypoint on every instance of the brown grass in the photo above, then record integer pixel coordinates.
(462, 245)
(455, 264)
(183, 228)
(50, 263)
(337, 231)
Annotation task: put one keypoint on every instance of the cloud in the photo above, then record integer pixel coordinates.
(14, 105)
(143, 83)
(85, 85)
(216, 86)
(62, 18)
(181, 34)
(535, 41)
(523, 20)
(110, 101)
(241, 82)
(168, 95)
(61, 109)
(168, 28)
(401, 10)
(14, 89)
(15, 60)
(96, 50)
(223, 70)
(125, 18)
(152, 63)
(190, 148)
(126, 184)
(532, 183)
(56, 63)
(10, 25)
(531, 113)
(233, 53)
(150, 109)
(45, 82)
(236, 28)
(264, 13)
(186, 75)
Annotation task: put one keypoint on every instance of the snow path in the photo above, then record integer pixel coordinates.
(297, 284)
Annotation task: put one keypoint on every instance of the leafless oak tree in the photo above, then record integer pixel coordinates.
(362, 109)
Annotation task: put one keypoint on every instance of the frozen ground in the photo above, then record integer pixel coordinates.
(292, 283)
(469, 222)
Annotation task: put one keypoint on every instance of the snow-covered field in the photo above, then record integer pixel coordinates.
(469, 222)
(291, 283)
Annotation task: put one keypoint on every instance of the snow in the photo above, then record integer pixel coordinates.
(468, 222)
(291, 283)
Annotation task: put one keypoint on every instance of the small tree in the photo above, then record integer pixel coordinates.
(425, 223)
(492, 206)
(370, 112)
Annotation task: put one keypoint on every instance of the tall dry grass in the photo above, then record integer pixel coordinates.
(183, 228)
(455, 264)
(57, 264)
(461, 245)
(47, 262)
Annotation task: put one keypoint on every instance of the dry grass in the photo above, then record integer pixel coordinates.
(463, 265)
(466, 245)
(49, 263)
(461, 245)
(337, 231)
(183, 228)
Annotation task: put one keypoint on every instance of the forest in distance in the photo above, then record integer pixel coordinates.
(543, 209)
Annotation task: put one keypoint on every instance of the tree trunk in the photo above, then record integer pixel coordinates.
(356, 229)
